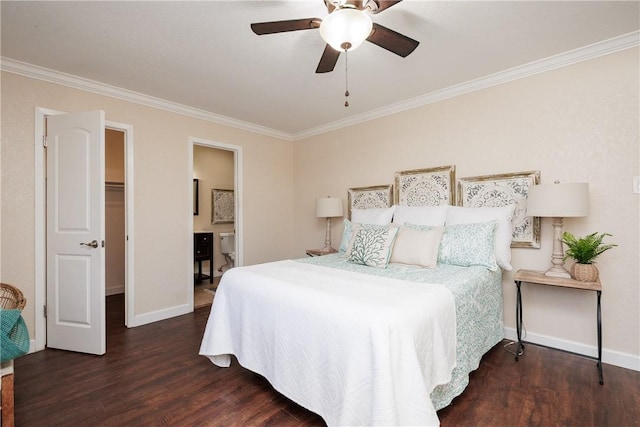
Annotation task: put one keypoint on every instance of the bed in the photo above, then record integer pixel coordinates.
(356, 344)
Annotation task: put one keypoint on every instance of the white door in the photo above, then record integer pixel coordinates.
(75, 232)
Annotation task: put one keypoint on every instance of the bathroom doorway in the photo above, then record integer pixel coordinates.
(215, 215)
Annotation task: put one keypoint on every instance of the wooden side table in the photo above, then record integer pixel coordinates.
(320, 252)
(538, 278)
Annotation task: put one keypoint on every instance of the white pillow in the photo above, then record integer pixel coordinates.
(377, 216)
(417, 247)
(420, 215)
(504, 232)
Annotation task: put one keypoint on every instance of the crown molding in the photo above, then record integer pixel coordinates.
(571, 57)
(585, 53)
(36, 72)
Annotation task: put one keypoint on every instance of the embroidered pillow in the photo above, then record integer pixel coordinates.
(346, 236)
(469, 244)
(372, 246)
(504, 229)
(417, 247)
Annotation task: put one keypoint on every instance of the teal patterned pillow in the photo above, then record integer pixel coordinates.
(346, 235)
(372, 246)
(469, 244)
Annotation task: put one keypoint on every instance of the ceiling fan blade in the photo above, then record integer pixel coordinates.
(384, 4)
(261, 28)
(392, 41)
(328, 60)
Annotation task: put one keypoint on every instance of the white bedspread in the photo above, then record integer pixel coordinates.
(353, 348)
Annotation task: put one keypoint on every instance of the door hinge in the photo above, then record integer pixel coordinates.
(103, 243)
(45, 311)
(44, 141)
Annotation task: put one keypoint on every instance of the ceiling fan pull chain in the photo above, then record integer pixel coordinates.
(346, 77)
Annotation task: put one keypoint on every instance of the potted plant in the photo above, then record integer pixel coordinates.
(584, 251)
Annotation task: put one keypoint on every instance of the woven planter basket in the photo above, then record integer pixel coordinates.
(585, 272)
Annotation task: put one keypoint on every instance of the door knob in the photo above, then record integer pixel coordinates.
(92, 244)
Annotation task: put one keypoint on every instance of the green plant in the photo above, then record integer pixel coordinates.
(585, 249)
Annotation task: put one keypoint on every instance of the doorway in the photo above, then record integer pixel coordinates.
(115, 229)
(217, 167)
(40, 298)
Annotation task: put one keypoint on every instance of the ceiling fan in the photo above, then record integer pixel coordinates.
(346, 27)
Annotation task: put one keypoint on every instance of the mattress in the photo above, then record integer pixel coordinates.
(355, 344)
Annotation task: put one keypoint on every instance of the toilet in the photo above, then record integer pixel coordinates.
(228, 247)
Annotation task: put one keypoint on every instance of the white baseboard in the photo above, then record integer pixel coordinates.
(616, 358)
(155, 316)
(139, 320)
(114, 291)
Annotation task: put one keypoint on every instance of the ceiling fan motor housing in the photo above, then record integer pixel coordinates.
(369, 5)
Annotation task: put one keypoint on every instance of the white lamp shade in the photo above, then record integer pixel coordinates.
(559, 200)
(342, 26)
(327, 207)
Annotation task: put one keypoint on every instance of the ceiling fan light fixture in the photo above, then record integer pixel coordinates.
(345, 29)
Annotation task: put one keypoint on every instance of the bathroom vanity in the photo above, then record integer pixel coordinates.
(203, 251)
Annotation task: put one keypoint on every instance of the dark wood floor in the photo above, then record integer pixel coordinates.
(152, 375)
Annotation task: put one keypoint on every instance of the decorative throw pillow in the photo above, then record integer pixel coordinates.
(420, 215)
(417, 247)
(469, 244)
(504, 230)
(372, 246)
(346, 236)
(378, 216)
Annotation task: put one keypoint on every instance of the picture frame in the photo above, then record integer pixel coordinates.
(501, 190)
(425, 187)
(222, 206)
(377, 196)
(196, 201)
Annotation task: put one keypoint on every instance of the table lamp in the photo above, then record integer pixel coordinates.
(558, 201)
(328, 207)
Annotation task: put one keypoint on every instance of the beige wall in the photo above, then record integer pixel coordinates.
(214, 169)
(163, 214)
(114, 156)
(575, 124)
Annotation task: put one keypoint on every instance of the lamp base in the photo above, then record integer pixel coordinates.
(327, 239)
(328, 250)
(558, 272)
(557, 263)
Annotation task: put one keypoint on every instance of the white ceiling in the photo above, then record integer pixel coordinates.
(203, 54)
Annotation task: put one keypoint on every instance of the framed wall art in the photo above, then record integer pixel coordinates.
(378, 196)
(222, 206)
(501, 190)
(426, 187)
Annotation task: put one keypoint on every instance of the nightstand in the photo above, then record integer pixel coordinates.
(320, 252)
(538, 278)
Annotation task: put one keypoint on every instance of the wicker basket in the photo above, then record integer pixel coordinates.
(11, 297)
(585, 272)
